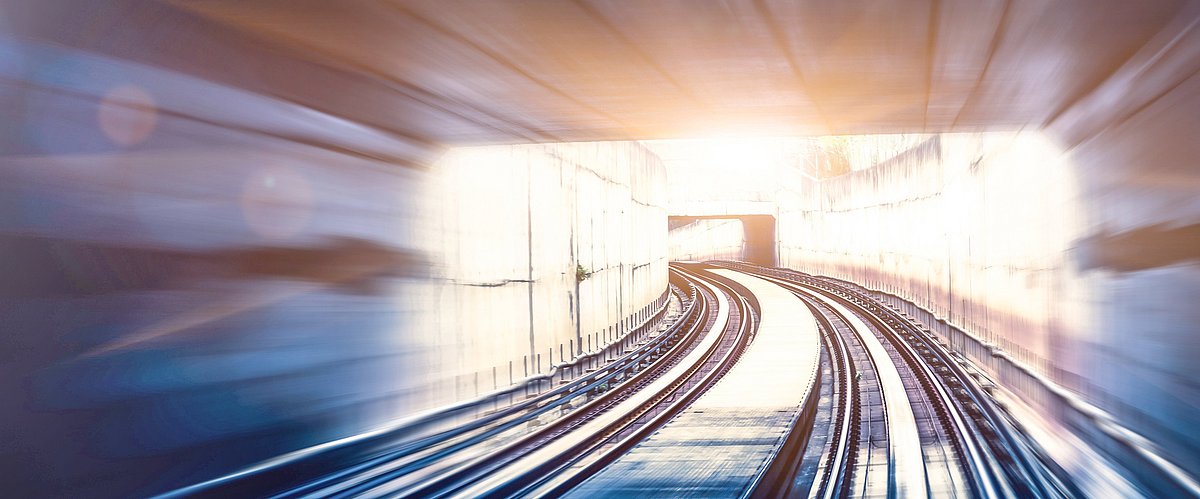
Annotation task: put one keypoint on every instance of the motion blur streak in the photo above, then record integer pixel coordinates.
(196, 276)
(231, 230)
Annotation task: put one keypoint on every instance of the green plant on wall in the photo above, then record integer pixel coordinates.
(581, 274)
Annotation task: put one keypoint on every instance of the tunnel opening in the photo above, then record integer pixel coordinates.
(756, 243)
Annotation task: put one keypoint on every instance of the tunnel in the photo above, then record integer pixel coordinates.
(756, 245)
(275, 248)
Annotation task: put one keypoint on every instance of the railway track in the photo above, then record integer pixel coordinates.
(905, 418)
(431, 440)
(969, 448)
(554, 469)
(578, 426)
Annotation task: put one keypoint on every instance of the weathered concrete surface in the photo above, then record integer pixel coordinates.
(999, 235)
(508, 230)
(975, 228)
(1079, 258)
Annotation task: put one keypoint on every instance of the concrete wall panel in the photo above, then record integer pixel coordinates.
(1061, 258)
(511, 227)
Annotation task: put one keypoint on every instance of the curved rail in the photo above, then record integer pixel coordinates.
(423, 440)
(840, 460)
(995, 460)
(455, 469)
(599, 415)
(556, 469)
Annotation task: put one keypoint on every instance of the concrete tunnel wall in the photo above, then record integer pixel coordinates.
(198, 277)
(1073, 249)
(1014, 238)
(975, 228)
(508, 228)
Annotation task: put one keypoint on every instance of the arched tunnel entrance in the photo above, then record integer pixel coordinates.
(758, 242)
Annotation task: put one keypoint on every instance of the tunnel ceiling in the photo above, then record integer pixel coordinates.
(517, 71)
(550, 70)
